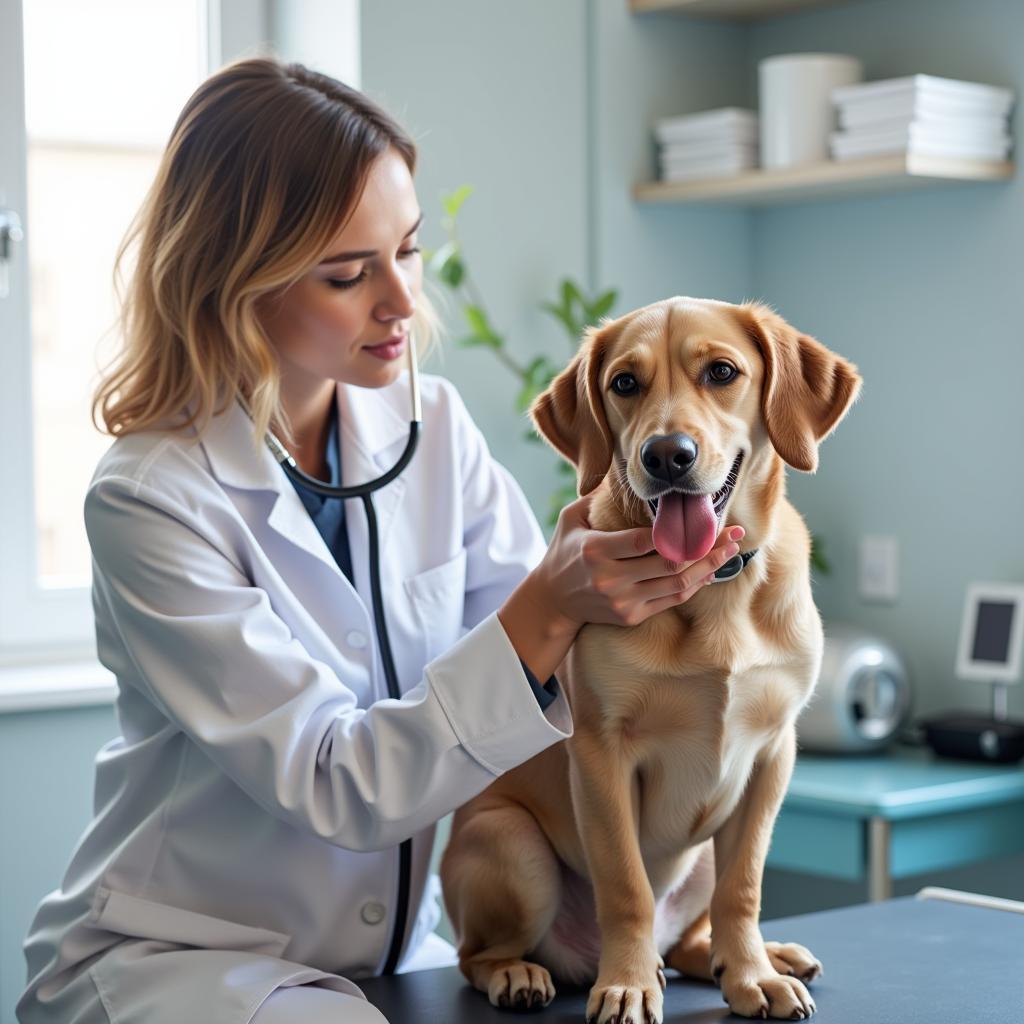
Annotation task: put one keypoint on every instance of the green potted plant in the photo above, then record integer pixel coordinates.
(574, 310)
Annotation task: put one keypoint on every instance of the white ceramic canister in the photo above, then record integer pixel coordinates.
(797, 115)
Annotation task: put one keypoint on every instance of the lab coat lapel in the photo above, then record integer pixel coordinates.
(370, 430)
(264, 494)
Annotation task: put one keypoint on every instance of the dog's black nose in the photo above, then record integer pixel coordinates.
(669, 457)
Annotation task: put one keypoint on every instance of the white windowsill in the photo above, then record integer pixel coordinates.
(45, 686)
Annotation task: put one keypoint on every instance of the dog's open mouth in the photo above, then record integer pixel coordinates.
(686, 525)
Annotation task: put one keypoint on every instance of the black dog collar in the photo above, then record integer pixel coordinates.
(734, 566)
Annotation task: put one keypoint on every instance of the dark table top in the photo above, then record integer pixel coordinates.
(905, 961)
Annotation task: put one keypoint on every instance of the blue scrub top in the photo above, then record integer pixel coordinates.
(328, 515)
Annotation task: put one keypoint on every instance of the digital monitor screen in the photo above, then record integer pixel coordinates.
(992, 631)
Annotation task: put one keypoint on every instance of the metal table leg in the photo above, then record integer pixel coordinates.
(879, 880)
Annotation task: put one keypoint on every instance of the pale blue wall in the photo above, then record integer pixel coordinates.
(550, 127)
(643, 69)
(921, 290)
(494, 95)
(46, 781)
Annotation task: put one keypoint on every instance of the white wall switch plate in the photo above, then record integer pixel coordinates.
(879, 568)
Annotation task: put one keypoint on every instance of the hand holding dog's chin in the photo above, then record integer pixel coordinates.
(544, 613)
(590, 575)
(617, 577)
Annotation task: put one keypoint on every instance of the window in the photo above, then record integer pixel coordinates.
(101, 97)
(88, 94)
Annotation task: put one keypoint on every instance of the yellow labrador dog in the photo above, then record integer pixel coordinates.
(641, 841)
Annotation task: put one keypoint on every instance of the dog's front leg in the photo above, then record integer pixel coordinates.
(740, 962)
(630, 979)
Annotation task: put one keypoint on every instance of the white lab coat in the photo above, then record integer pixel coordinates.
(246, 821)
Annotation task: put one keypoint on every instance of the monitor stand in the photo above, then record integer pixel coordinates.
(999, 702)
(974, 737)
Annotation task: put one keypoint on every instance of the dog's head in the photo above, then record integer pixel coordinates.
(683, 397)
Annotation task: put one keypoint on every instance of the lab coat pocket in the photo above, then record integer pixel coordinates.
(145, 919)
(437, 596)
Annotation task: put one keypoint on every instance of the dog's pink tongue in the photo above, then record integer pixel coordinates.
(684, 528)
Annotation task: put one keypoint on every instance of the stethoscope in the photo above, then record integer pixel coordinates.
(365, 492)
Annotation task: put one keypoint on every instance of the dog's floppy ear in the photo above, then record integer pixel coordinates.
(570, 415)
(807, 389)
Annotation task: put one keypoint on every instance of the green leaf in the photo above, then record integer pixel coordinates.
(536, 366)
(818, 559)
(562, 497)
(453, 272)
(454, 200)
(571, 294)
(447, 264)
(481, 328)
(438, 259)
(561, 315)
(537, 376)
(476, 339)
(477, 319)
(550, 307)
(601, 306)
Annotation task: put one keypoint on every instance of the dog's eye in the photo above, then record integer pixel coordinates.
(625, 384)
(722, 373)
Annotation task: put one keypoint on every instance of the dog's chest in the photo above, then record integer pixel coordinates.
(690, 783)
(693, 708)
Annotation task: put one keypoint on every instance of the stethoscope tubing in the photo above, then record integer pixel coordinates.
(365, 492)
(291, 467)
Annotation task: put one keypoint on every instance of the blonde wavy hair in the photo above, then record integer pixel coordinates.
(265, 164)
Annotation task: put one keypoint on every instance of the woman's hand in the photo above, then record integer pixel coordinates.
(590, 575)
(618, 577)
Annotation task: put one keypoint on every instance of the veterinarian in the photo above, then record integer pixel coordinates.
(263, 824)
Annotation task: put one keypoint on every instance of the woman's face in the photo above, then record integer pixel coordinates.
(348, 318)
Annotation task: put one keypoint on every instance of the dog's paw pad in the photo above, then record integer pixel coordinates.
(767, 996)
(520, 985)
(624, 1004)
(794, 960)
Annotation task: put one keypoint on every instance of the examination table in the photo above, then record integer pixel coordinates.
(903, 961)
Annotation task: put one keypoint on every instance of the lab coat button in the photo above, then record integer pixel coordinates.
(372, 912)
(355, 639)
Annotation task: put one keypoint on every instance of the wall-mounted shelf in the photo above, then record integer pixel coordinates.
(726, 8)
(825, 181)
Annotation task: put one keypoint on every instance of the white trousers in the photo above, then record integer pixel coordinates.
(307, 1004)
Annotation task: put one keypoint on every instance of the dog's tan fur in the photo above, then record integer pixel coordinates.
(651, 824)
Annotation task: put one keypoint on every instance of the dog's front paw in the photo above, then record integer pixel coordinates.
(754, 991)
(520, 985)
(792, 959)
(626, 1003)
